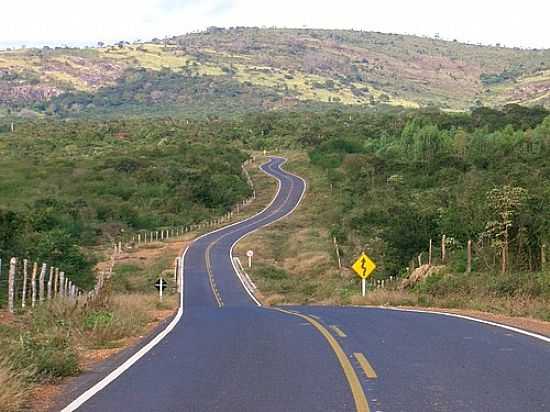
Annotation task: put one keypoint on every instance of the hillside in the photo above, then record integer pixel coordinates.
(248, 69)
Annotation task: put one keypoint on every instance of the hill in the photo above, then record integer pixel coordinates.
(251, 69)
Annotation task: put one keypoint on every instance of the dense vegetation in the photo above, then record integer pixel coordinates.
(67, 186)
(399, 178)
(482, 177)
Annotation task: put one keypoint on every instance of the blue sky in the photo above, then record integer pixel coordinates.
(78, 22)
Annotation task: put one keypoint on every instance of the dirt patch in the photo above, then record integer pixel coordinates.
(43, 397)
(6, 318)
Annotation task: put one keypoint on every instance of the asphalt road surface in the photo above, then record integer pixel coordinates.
(226, 353)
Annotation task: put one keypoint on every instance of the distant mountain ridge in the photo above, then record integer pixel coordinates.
(251, 69)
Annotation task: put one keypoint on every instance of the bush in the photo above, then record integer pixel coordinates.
(272, 273)
(50, 354)
(97, 319)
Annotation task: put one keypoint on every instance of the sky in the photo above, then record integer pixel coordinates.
(79, 22)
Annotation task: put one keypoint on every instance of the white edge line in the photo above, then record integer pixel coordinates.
(135, 357)
(251, 293)
(470, 318)
(242, 271)
(102, 384)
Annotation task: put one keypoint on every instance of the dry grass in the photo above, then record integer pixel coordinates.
(13, 389)
(127, 316)
(385, 297)
(294, 258)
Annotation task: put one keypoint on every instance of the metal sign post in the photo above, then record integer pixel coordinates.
(161, 285)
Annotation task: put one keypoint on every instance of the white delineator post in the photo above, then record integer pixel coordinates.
(250, 253)
(364, 286)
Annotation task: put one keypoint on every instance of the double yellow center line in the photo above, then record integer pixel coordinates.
(207, 256)
(359, 397)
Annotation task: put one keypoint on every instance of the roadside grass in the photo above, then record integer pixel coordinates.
(517, 306)
(60, 338)
(295, 263)
(13, 388)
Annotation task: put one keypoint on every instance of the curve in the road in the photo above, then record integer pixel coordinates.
(224, 353)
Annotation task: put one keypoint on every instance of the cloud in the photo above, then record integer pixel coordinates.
(70, 21)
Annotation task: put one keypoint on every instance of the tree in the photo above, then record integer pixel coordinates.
(505, 203)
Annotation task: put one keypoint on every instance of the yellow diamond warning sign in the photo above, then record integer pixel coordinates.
(364, 266)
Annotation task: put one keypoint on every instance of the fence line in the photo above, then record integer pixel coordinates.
(52, 283)
(162, 234)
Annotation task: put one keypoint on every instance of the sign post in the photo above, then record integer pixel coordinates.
(250, 253)
(364, 267)
(161, 285)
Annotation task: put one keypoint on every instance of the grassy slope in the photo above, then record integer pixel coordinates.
(297, 65)
(294, 260)
(61, 339)
(295, 263)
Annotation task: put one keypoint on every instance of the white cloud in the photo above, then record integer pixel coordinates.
(76, 22)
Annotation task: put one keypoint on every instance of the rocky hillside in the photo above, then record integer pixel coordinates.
(248, 69)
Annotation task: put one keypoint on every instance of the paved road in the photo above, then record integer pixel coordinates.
(228, 354)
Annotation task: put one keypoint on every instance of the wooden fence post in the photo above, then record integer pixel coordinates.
(25, 276)
(61, 283)
(11, 284)
(430, 252)
(543, 256)
(176, 269)
(443, 248)
(337, 249)
(50, 282)
(33, 283)
(41, 282)
(469, 257)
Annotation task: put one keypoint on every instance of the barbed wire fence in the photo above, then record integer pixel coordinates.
(26, 283)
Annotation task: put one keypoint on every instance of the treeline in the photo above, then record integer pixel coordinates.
(68, 186)
(482, 177)
(400, 177)
(149, 93)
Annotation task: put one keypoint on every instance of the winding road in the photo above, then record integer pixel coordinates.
(224, 352)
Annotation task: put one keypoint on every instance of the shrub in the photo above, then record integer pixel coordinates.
(50, 354)
(272, 273)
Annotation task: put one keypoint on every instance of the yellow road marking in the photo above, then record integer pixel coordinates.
(211, 277)
(338, 331)
(315, 317)
(361, 404)
(365, 365)
(213, 286)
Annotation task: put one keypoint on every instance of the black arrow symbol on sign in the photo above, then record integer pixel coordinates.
(364, 265)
